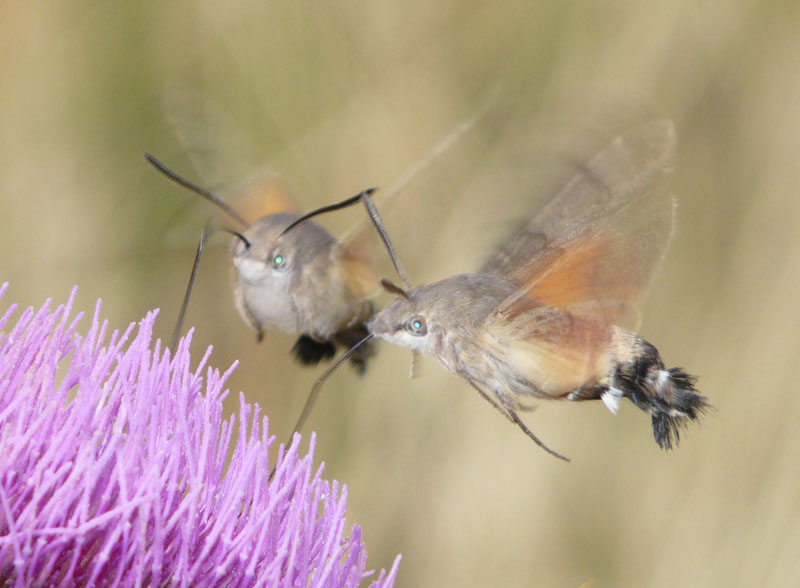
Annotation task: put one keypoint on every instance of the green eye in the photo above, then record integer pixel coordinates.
(279, 261)
(416, 326)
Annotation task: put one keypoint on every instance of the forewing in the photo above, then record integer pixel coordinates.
(555, 330)
(630, 166)
(604, 273)
(359, 272)
(263, 196)
(593, 250)
(584, 264)
(224, 154)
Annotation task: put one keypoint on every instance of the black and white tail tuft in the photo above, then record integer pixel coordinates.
(677, 405)
(669, 395)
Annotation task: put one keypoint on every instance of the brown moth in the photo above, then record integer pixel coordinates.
(553, 313)
(304, 281)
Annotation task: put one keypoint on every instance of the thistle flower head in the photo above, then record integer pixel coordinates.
(117, 468)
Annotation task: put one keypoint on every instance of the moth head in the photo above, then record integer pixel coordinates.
(263, 255)
(404, 321)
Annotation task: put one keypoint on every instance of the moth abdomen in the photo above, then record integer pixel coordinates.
(310, 351)
(669, 395)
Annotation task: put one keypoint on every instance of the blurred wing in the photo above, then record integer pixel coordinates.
(594, 248)
(224, 154)
(261, 197)
(360, 273)
(625, 169)
(604, 273)
(555, 329)
(361, 240)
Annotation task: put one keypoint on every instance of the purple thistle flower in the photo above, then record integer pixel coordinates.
(113, 471)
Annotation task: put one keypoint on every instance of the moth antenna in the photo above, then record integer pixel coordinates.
(241, 237)
(378, 222)
(314, 393)
(181, 181)
(329, 208)
(374, 216)
(394, 289)
(442, 146)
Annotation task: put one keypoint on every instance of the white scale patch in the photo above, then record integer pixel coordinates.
(611, 399)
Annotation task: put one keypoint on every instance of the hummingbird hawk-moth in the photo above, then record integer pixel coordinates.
(552, 314)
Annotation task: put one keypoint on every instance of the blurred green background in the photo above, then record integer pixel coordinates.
(336, 98)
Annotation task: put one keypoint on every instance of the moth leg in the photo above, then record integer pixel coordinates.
(515, 419)
(255, 324)
(238, 297)
(509, 413)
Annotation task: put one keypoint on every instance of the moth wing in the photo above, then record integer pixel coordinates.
(594, 248)
(604, 273)
(631, 165)
(224, 154)
(361, 239)
(555, 328)
(359, 272)
(262, 197)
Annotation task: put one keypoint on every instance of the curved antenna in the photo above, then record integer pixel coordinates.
(394, 289)
(398, 185)
(315, 389)
(237, 234)
(181, 181)
(396, 188)
(329, 208)
(376, 220)
(374, 216)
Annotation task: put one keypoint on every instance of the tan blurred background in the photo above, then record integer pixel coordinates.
(338, 99)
